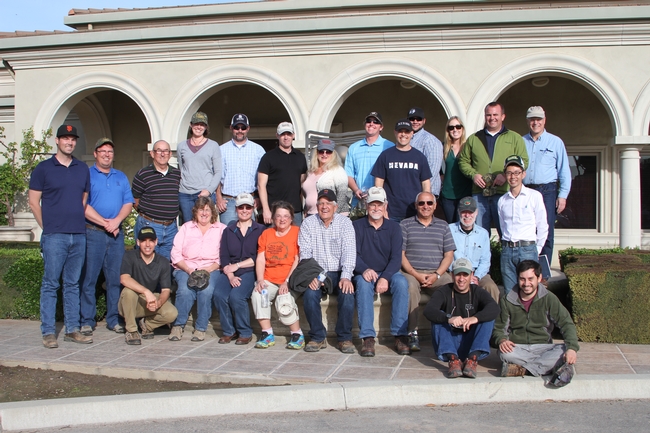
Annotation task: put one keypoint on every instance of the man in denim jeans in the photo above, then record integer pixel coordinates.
(58, 190)
(523, 222)
(109, 202)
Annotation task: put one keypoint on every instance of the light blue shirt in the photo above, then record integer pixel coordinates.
(361, 159)
(239, 167)
(428, 144)
(474, 246)
(548, 162)
(109, 192)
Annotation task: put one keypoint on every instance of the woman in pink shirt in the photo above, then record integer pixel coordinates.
(196, 247)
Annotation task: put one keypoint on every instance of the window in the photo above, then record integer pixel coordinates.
(645, 192)
(581, 210)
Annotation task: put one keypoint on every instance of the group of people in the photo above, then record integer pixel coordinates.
(222, 257)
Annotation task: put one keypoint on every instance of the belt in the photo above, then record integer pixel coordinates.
(153, 220)
(537, 185)
(517, 244)
(94, 227)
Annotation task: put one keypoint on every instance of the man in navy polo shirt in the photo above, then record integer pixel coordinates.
(109, 202)
(58, 190)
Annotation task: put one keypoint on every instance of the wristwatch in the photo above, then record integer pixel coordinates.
(436, 272)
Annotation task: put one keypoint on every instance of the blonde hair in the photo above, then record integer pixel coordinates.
(447, 146)
(334, 162)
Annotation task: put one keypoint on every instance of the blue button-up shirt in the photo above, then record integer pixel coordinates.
(361, 159)
(474, 246)
(548, 162)
(239, 165)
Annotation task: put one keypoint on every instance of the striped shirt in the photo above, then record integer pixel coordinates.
(333, 247)
(428, 144)
(158, 193)
(425, 246)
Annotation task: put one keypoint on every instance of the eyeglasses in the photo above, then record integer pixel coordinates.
(452, 127)
(415, 119)
(239, 128)
(514, 173)
(105, 152)
(373, 121)
(244, 207)
(428, 203)
(162, 152)
(324, 151)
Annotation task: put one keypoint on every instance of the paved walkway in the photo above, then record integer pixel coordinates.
(208, 361)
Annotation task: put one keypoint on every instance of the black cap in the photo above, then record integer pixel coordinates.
(416, 112)
(239, 119)
(376, 116)
(147, 233)
(403, 124)
(327, 193)
(66, 131)
(467, 204)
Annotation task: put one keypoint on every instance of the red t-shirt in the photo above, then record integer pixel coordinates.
(279, 252)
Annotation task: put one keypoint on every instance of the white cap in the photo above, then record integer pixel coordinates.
(285, 127)
(376, 193)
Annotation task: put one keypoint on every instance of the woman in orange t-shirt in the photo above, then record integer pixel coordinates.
(277, 257)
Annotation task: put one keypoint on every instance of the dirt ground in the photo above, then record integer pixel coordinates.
(20, 383)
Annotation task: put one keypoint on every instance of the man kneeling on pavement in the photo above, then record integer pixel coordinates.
(462, 316)
(523, 330)
(142, 273)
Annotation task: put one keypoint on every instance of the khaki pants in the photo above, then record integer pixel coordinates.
(490, 286)
(262, 313)
(415, 293)
(133, 305)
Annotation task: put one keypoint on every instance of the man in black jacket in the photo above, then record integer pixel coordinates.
(462, 317)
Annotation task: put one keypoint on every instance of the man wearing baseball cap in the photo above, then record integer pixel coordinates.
(428, 144)
(58, 190)
(548, 165)
(523, 222)
(240, 158)
(146, 277)
(281, 173)
(462, 315)
(362, 156)
(379, 257)
(403, 172)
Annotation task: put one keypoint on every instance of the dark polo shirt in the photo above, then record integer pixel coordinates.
(284, 171)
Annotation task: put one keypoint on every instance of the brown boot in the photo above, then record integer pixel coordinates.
(368, 347)
(512, 370)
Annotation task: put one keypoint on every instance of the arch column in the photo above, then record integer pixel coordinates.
(630, 198)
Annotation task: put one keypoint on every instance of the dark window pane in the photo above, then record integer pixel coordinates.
(645, 192)
(582, 204)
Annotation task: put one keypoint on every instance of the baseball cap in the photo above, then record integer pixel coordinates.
(239, 119)
(285, 127)
(326, 144)
(147, 233)
(66, 130)
(102, 141)
(467, 204)
(199, 117)
(514, 160)
(462, 265)
(416, 112)
(244, 198)
(286, 308)
(535, 111)
(403, 124)
(328, 194)
(376, 193)
(376, 116)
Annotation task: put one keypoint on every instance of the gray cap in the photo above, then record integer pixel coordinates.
(462, 265)
(376, 193)
(535, 112)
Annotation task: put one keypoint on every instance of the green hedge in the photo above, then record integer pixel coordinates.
(610, 294)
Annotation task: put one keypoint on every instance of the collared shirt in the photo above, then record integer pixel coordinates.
(198, 250)
(108, 191)
(523, 218)
(284, 171)
(239, 167)
(428, 144)
(158, 192)
(361, 158)
(333, 247)
(378, 249)
(474, 246)
(549, 162)
(425, 246)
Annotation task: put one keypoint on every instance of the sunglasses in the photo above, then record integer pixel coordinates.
(324, 151)
(422, 203)
(415, 119)
(375, 121)
(240, 128)
(245, 207)
(452, 127)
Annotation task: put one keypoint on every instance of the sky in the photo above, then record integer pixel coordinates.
(30, 15)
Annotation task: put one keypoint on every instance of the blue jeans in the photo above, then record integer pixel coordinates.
(103, 252)
(510, 258)
(448, 341)
(186, 203)
(365, 295)
(230, 214)
(314, 314)
(549, 194)
(164, 233)
(63, 254)
(186, 296)
(232, 304)
(488, 211)
(450, 208)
